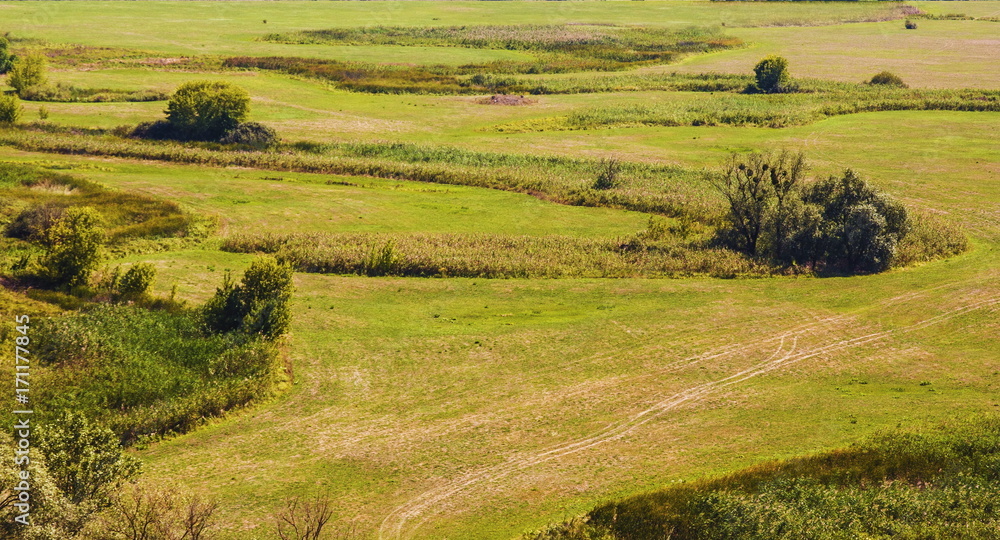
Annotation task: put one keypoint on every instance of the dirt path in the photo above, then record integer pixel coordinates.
(405, 520)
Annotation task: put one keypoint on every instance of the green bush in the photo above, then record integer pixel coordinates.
(135, 284)
(7, 58)
(253, 135)
(772, 76)
(85, 460)
(607, 174)
(206, 111)
(73, 248)
(258, 306)
(10, 109)
(886, 78)
(27, 72)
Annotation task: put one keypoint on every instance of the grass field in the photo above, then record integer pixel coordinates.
(478, 408)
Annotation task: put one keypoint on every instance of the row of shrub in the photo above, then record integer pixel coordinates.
(666, 190)
(939, 484)
(498, 256)
(558, 48)
(768, 110)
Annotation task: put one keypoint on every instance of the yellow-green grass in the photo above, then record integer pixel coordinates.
(404, 386)
(938, 54)
(249, 201)
(179, 28)
(394, 395)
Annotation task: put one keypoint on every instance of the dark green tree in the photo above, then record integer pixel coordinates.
(85, 460)
(73, 247)
(7, 58)
(772, 75)
(207, 110)
(258, 306)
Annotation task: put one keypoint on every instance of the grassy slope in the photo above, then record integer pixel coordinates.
(393, 401)
(390, 396)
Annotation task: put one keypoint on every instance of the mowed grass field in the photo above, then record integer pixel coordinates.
(473, 408)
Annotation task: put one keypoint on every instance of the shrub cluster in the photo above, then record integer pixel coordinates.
(498, 256)
(941, 484)
(145, 373)
(258, 306)
(837, 224)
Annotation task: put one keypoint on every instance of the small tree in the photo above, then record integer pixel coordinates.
(772, 75)
(207, 110)
(6, 57)
(257, 306)
(10, 109)
(135, 284)
(27, 72)
(73, 247)
(85, 460)
(304, 520)
(757, 188)
(607, 174)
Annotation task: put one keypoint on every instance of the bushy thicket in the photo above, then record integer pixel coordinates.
(500, 256)
(10, 108)
(7, 58)
(939, 484)
(76, 468)
(257, 306)
(840, 224)
(208, 111)
(145, 373)
(661, 189)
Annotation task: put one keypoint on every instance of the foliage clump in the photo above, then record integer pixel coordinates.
(258, 306)
(251, 134)
(887, 78)
(206, 110)
(7, 58)
(838, 224)
(771, 76)
(73, 247)
(10, 109)
(28, 72)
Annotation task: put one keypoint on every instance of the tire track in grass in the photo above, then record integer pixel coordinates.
(400, 522)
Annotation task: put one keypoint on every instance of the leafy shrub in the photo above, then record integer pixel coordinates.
(910, 25)
(7, 58)
(159, 130)
(772, 76)
(886, 78)
(135, 283)
(10, 109)
(73, 247)
(251, 134)
(27, 72)
(34, 222)
(258, 306)
(206, 111)
(85, 460)
(607, 175)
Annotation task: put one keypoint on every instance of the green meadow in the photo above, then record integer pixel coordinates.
(458, 407)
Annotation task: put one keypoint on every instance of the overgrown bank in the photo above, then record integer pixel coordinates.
(943, 483)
